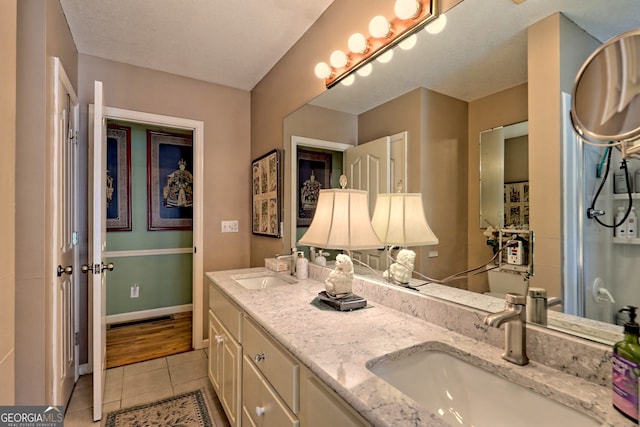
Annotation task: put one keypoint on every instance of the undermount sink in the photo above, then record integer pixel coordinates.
(465, 395)
(263, 280)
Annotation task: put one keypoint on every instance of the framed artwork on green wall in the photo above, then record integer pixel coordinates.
(169, 181)
(265, 172)
(118, 178)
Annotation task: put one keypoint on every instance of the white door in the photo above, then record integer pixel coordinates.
(97, 229)
(377, 166)
(65, 373)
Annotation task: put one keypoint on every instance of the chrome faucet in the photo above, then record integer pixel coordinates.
(515, 328)
(292, 257)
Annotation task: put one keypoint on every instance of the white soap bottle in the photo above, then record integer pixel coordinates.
(621, 230)
(632, 224)
(320, 258)
(302, 267)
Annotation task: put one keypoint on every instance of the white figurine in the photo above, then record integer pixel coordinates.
(340, 279)
(401, 270)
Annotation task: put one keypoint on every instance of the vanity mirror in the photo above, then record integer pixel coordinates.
(463, 64)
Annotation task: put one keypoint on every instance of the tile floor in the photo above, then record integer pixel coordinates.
(138, 383)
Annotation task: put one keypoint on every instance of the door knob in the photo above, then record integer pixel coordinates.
(65, 270)
(110, 266)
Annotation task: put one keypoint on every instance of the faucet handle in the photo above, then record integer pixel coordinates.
(515, 299)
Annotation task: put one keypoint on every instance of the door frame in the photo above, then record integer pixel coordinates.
(301, 141)
(60, 77)
(197, 127)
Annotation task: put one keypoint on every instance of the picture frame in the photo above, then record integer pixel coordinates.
(265, 175)
(118, 177)
(516, 204)
(314, 174)
(170, 181)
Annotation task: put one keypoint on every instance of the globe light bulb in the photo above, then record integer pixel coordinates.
(365, 70)
(409, 42)
(338, 59)
(348, 81)
(385, 57)
(357, 43)
(437, 25)
(322, 70)
(406, 9)
(379, 27)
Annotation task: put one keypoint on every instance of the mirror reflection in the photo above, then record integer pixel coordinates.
(444, 93)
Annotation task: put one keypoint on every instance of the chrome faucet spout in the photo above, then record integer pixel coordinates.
(498, 319)
(292, 261)
(515, 331)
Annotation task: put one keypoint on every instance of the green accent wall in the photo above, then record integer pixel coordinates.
(164, 280)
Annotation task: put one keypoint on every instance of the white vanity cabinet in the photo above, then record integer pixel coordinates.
(225, 353)
(259, 382)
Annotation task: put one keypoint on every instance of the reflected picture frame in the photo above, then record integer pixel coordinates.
(118, 178)
(170, 181)
(265, 190)
(313, 166)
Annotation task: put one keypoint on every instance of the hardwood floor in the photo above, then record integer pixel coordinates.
(137, 342)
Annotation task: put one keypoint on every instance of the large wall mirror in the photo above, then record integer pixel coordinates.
(438, 93)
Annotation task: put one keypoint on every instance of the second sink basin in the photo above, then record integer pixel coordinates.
(466, 395)
(263, 280)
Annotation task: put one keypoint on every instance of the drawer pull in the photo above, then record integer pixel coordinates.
(260, 411)
(258, 357)
(219, 339)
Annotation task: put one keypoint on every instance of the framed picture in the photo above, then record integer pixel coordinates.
(516, 204)
(118, 178)
(265, 172)
(169, 181)
(314, 174)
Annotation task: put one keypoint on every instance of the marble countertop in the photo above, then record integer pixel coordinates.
(336, 346)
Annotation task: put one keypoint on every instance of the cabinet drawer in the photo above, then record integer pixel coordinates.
(277, 366)
(261, 406)
(229, 314)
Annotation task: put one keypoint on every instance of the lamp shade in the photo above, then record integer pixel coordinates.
(341, 221)
(399, 220)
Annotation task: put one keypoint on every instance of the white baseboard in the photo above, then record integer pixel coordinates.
(145, 314)
(84, 369)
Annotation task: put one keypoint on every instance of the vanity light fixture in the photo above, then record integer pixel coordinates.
(398, 220)
(411, 16)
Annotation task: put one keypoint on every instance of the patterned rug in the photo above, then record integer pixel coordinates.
(187, 409)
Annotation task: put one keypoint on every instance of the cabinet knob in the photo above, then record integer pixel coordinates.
(258, 357)
(260, 411)
(219, 339)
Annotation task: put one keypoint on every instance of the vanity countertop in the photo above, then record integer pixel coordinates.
(336, 346)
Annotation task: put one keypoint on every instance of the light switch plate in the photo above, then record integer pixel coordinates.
(230, 226)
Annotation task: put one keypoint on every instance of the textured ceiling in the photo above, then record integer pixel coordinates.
(229, 42)
(235, 43)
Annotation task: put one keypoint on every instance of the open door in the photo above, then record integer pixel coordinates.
(97, 229)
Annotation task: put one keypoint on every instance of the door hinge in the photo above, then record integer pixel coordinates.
(76, 338)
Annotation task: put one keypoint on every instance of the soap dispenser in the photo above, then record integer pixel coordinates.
(625, 375)
(302, 267)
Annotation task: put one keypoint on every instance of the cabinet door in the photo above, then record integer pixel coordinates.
(230, 377)
(321, 407)
(215, 351)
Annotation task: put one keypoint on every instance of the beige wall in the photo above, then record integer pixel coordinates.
(311, 122)
(225, 113)
(291, 83)
(557, 49)
(42, 33)
(8, 22)
(436, 166)
(502, 108)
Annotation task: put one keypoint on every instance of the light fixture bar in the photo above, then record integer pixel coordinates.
(400, 30)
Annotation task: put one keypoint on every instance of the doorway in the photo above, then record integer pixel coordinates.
(150, 291)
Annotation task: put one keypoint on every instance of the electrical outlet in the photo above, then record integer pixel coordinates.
(230, 226)
(433, 254)
(135, 291)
